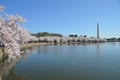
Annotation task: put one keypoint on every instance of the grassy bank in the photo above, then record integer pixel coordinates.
(28, 45)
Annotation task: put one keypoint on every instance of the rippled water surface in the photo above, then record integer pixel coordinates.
(66, 62)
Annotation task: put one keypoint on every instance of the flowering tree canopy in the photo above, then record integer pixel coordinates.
(11, 34)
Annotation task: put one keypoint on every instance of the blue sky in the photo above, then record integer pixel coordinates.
(68, 16)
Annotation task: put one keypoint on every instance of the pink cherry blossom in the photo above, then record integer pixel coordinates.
(12, 34)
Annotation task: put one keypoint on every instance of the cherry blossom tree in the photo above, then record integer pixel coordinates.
(12, 34)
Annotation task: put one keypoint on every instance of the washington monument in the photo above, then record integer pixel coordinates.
(98, 36)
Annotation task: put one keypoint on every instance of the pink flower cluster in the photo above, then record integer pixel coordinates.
(11, 34)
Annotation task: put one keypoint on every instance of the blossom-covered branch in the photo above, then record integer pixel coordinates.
(12, 34)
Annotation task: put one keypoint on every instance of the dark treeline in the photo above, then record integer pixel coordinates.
(113, 39)
(44, 34)
(75, 35)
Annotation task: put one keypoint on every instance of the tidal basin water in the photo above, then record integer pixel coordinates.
(66, 62)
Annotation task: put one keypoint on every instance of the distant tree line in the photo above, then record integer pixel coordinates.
(113, 39)
(44, 34)
(75, 35)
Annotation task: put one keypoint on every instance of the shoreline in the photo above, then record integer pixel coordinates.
(22, 47)
(33, 44)
(28, 45)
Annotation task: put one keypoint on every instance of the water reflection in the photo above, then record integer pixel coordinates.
(65, 62)
(7, 69)
(98, 60)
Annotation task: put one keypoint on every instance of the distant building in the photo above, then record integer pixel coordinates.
(98, 35)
